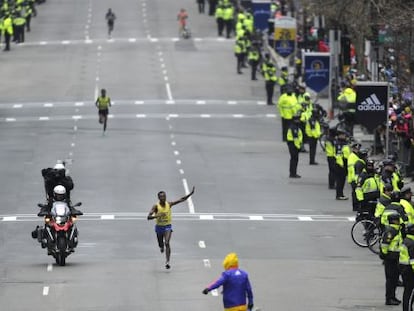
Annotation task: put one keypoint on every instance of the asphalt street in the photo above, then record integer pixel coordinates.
(181, 117)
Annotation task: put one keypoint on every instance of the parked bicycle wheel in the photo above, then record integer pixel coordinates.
(362, 231)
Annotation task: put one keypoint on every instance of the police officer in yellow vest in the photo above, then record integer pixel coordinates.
(313, 132)
(330, 156)
(406, 262)
(249, 22)
(384, 200)
(219, 19)
(347, 100)
(283, 79)
(269, 74)
(28, 16)
(288, 107)
(294, 142)
(367, 189)
(19, 23)
(352, 179)
(7, 31)
(342, 152)
(161, 212)
(405, 201)
(253, 58)
(228, 16)
(390, 254)
(239, 49)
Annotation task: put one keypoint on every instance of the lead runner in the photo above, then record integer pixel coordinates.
(161, 212)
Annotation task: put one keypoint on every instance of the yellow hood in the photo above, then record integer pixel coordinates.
(231, 261)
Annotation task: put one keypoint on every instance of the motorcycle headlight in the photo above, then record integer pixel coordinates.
(47, 219)
(74, 218)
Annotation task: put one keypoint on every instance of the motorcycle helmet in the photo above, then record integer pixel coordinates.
(59, 193)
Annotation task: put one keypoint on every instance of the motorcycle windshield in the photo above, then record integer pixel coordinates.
(60, 208)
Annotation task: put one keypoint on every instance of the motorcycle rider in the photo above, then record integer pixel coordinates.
(59, 195)
(56, 176)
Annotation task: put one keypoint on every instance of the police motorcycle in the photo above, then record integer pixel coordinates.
(59, 235)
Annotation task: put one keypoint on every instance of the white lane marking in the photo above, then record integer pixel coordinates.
(49, 267)
(132, 40)
(170, 102)
(139, 102)
(78, 104)
(261, 103)
(181, 171)
(256, 217)
(200, 102)
(76, 117)
(207, 263)
(175, 39)
(141, 115)
(10, 119)
(87, 40)
(305, 218)
(173, 115)
(232, 102)
(178, 162)
(42, 42)
(107, 217)
(214, 292)
(10, 218)
(201, 244)
(48, 105)
(110, 116)
(65, 42)
(176, 152)
(206, 217)
(45, 290)
(270, 115)
(190, 202)
(75, 128)
(205, 115)
(154, 39)
(168, 88)
(165, 78)
(17, 106)
(238, 116)
(72, 144)
(43, 118)
(198, 39)
(351, 218)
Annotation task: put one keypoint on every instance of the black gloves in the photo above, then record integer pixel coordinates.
(205, 291)
(250, 307)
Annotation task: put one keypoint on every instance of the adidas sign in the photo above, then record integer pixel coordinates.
(371, 103)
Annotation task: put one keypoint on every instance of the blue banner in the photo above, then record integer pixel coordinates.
(261, 14)
(316, 69)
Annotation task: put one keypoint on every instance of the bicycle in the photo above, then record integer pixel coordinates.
(366, 232)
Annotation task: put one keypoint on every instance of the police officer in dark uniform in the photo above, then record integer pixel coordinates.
(390, 253)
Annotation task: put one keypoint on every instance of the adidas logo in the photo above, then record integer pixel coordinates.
(371, 103)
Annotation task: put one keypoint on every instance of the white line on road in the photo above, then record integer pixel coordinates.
(43, 118)
(200, 102)
(48, 105)
(45, 290)
(178, 162)
(17, 106)
(181, 171)
(206, 217)
(256, 217)
(141, 115)
(305, 218)
(238, 115)
(176, 152)
(107, 217)
(207, 263)
(79, 104)
(167, 86)
(10, 218)
(10, 119)
(49, 267)
(190, 200)
(173, 143)
(205, 115)
(201, 244)
(232, 102)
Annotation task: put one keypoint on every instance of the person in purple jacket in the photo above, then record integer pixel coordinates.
(236, 286)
